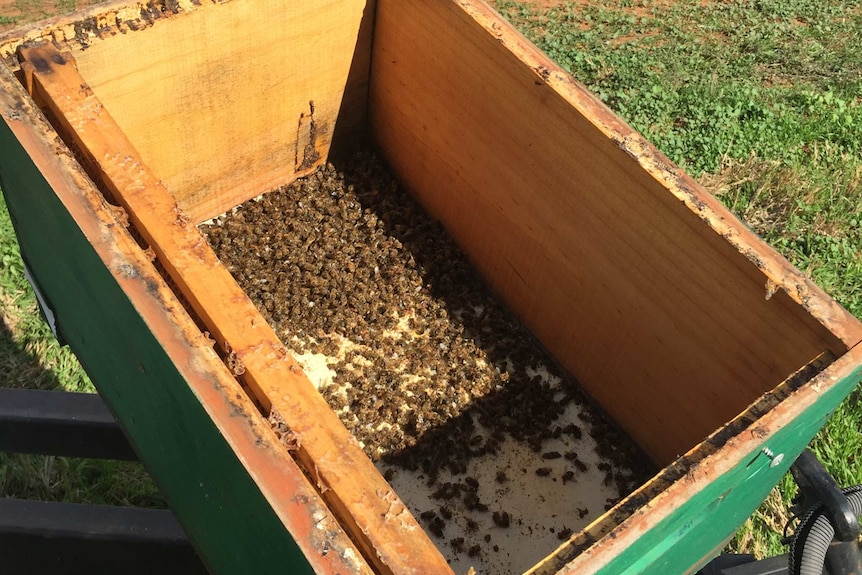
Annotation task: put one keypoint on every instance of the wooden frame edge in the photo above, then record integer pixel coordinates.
(84, 26)
(290, 494)
(698, 473)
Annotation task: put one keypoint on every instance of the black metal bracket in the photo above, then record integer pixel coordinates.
(817, 486)
(732, 564)
(72, 539)
(818, 493)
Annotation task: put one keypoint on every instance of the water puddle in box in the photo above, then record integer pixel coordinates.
(497, 454)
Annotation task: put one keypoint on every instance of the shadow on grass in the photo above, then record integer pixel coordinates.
(20, 369)
(63, 479)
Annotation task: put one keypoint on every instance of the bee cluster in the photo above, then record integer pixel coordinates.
(429, 370)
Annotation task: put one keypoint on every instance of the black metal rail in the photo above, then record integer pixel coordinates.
(69, 538)
(60, 423)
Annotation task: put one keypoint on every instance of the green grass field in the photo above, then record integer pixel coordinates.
(759, 99)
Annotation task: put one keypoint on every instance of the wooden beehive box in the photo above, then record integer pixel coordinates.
(126, 126)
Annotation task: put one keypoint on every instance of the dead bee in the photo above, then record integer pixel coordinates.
(471, 502)
(551, 455)
(501, 519)
(564, 534)
(543, 471)
(491, 446)
(457, 544)
(573, 430)
(428, 515)
(583, 512)
(437, 526)
(447, 491)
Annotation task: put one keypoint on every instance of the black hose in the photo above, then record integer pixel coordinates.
(815, 533)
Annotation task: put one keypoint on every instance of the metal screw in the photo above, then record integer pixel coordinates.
(776, 458)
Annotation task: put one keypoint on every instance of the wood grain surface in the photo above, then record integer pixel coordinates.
(671, 314)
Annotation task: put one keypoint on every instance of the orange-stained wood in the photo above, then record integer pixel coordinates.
(670, 313)
(284, 485)
(366, 505)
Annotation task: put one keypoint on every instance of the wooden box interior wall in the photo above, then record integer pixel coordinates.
(228, 101)
(666, 323)
(561, 207)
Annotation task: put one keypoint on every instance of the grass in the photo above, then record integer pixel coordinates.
(759, 99)
(30, 357)
(725, 80)
(30, 10)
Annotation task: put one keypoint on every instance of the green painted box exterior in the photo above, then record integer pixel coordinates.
(216, 500)
(699, 527)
